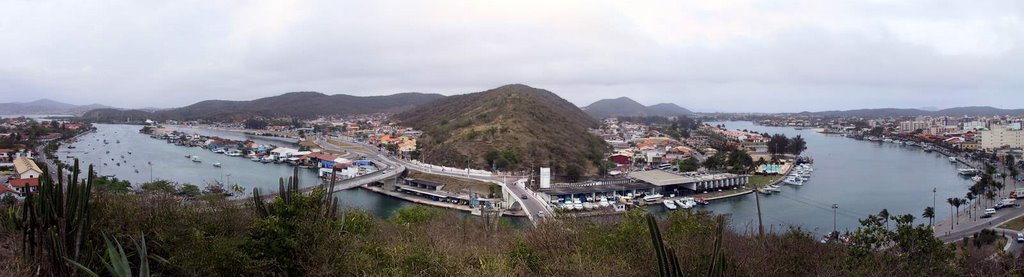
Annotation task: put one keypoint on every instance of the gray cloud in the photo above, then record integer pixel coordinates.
(708, 56)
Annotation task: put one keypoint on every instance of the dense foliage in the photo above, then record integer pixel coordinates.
(502, 126)
(301, 234)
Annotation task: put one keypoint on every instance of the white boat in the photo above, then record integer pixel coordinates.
(764, 191)
(686, 202)
(669, 204)
(216, 164)
(195, 159)
(652, 197)
(794, 180)
(967, 171)
(255, 159)
(976, 178)
(774, 188)
(952, 159)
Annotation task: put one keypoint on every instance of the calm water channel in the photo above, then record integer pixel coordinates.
(169, 163)
(861, 177)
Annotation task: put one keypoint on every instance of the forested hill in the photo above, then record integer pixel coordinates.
(510, 127)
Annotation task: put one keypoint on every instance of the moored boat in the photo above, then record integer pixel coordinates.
(669, 204)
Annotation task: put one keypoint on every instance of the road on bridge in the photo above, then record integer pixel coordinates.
(531, 203)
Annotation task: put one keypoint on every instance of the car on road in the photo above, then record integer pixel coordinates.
(524, 197)
(1020, 237)
(989, 213)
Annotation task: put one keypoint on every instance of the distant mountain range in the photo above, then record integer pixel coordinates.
(301, 105)
(530, 127)
(46, 107)
(624, 106)
(893, 112)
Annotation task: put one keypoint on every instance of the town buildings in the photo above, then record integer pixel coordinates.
(999, 136)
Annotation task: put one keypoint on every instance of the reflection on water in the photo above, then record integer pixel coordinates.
(861, 177)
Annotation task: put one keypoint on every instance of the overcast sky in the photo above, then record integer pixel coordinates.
(763, 56)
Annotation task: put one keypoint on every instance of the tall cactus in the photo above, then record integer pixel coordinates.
(57, 218)
(289, 194)
(668, 263)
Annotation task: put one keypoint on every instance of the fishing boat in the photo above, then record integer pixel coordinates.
(216, 164)
(764, 191)
(702, 201)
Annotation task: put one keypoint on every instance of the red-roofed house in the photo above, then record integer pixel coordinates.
(6, 190)
(6, 155)
(24, 185)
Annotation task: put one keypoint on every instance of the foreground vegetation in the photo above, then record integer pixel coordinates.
(65, 231)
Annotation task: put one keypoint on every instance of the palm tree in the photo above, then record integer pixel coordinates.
(952, 202)
(884, 214)
(929, 212)
(970, 197)
(956, 203)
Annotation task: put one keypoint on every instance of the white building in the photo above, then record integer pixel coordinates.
(26, 168)
(911, 126)
(1001, 135)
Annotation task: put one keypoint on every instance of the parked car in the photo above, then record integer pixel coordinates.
(1020, 237)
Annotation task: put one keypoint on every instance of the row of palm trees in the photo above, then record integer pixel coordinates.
(985, 188)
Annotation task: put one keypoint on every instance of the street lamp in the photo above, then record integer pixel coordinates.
(834, 208)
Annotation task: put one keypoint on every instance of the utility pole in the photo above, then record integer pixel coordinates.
(834, 208)
(760, 223)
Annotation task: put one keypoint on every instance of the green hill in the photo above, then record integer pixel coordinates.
(302, 105)
(513, 127)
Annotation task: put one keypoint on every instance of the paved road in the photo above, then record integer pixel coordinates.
(970, 224)
(532, 204)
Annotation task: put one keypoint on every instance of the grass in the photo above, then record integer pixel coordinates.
(452, 184)
(763, 180)
(1015, 224)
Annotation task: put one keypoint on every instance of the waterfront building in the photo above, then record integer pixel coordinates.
(667, 182)
(911, 126)
(1000, 136)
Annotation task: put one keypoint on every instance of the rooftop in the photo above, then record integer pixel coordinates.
(24, 164)
(596, 187)
(664, 178)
